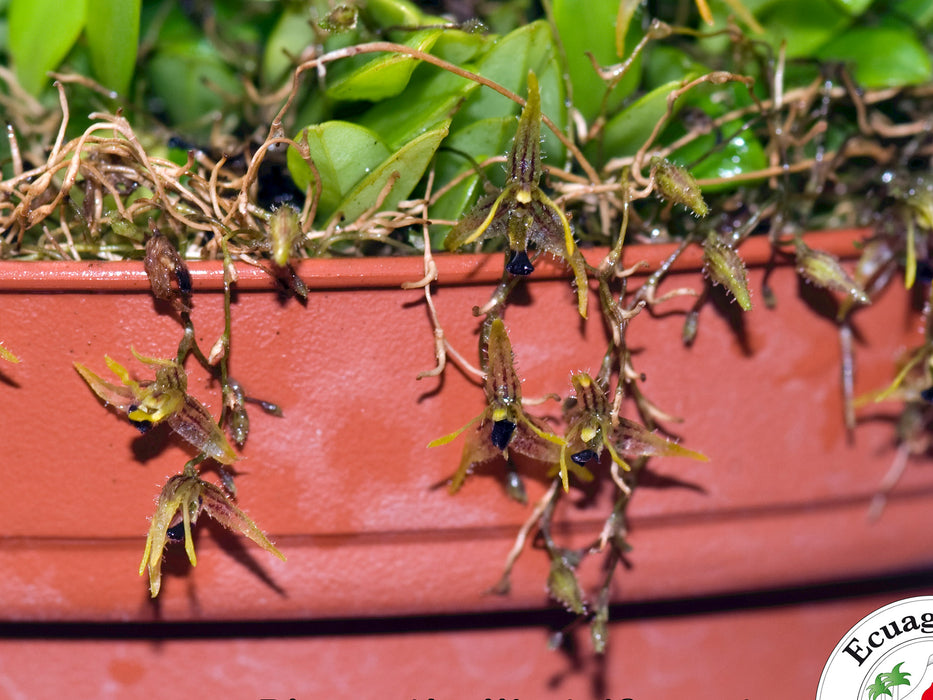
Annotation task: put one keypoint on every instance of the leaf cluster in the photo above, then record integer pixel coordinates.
(392, 115)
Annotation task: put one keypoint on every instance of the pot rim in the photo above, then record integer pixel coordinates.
(380, 272)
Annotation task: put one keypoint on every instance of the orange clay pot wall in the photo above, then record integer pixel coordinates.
(346, 487)
(765, 652)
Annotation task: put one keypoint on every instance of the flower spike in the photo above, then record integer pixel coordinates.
(503, 425)
(521, 211)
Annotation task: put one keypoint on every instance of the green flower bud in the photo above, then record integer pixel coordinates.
(239, 425)
(823, 270)
(599, 627)
(723, 266)
(341, 19)
(284, 232)
(678, 185)
(563, 587)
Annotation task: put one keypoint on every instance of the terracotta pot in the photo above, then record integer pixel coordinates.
(344, 482)
(713, 650)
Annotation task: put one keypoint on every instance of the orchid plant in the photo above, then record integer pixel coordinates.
(642, 123)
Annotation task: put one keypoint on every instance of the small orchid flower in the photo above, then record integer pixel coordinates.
(591, 428)
(182, 500)
(165, 399)
(504, 425)
(521, 211)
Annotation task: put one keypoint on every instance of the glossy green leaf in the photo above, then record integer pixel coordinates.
(805, 24)
(553, 105)
(854, 7)
(406, 166)
(238, 23)
(717, 41)
(113, 40)
(590, 26)
(741, 154)
(881, 57)
(191, 79)
(343, 154)
(290, 36)
(625, 132)
(458, 46)
(174, 28)
(920, 12)
(382, 77)
(628, 10)
(665, 64)
(479, 141)
(432, 95)
(394, 13)
(42, 33)
(507, 62)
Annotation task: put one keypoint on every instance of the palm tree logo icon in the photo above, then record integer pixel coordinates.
(895, 684)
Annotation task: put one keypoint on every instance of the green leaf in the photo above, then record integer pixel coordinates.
(882, 57)
(918, 11)
(507, 62)
(291, 34)
(394, 13)
(191, 79)
(406, 166)
(458, 47)
(432, 95)
(666, 64)
(724, 153)
(742, 154)
(628, 129)
(42, 33)
(382, 77)
(854, 7)
(805, 24)
(343, 154)
(627, 11)
(113, 40)
(590, 26)
(479, 141)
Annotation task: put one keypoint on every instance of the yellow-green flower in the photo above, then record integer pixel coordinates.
(521, 211)
(182, 500)
(591, 428)
(164, 399)
(504, 425)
